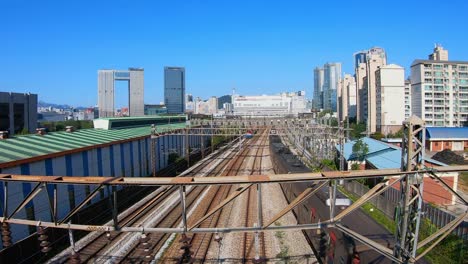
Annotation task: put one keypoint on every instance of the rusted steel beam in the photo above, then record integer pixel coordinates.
(228, 199)
(35, 191)
(213, 180)
(299, 199)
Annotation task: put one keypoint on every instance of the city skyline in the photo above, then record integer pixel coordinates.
(257, 48)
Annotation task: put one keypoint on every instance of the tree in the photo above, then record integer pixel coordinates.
(377, 136)
(360, 149)
(357, 129)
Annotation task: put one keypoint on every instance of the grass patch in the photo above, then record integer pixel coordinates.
(463, 177)
(376, 214)
(450, 250)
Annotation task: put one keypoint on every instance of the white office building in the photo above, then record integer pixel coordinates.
(390, 98)
(270, 105)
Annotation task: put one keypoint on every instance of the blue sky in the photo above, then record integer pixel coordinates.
(54, 48)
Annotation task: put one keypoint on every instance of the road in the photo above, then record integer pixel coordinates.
(344, 245)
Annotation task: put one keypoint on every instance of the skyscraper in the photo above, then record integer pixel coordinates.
(106, 91)
(174, 89)
(332, 78)
(318, 88)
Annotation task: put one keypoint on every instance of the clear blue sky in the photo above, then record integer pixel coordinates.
(54, 48)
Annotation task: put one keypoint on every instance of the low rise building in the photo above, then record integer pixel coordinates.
(441, 138)
(283, 104)
(18, 112)
(386, 156)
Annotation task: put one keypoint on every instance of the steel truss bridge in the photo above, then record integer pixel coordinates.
(409, 178)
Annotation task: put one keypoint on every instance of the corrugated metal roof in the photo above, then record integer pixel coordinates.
(29, 146)
(447, 133)
(374, 146)
(381, 154)
(140, 117)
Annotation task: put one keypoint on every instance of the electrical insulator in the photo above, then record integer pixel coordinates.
(44, 242)
(75, 258)
(6, 235)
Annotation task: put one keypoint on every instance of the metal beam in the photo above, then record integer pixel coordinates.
(309, 191)
(447, 228)
(35, 191)
(228, 199)
(139, 229)
(447, 187)
(368, 242)
(83, 203)
(366, 197)
(445, 234)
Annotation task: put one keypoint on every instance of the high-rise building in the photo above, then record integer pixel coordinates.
(390, 98)
(347, 98)
(106, 91)
(332, 78)
(174, 89)
(439, 90)
(366, 85)
(18, 112)
(439, 54)
(407, 98)
(317, 102)
(361, 85)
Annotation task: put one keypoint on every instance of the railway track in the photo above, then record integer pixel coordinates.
(92, 250)
(200, 243)
(254, 243)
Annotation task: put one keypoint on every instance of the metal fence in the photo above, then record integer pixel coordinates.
(388, 201)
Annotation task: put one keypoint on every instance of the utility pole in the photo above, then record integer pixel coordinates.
(408, 216)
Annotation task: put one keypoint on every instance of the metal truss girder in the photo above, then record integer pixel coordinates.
(213, 180)
(139, 229)
(85, 201)
(445, 234)
(35, 191)
(298, 200)
(366, 197)
(447, 187)
(447, 229)
(228, 199)
(368, 242)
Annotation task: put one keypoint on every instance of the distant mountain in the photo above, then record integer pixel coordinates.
(61, 106)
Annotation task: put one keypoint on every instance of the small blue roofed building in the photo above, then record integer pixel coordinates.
(387, 156)
(441, 138)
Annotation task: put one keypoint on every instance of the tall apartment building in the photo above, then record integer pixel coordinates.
(18, 111)
(407, 98)
(174, 89)
(390, 98)
(439, 90)
(317, 102)
(366, 85)
(347, 97)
